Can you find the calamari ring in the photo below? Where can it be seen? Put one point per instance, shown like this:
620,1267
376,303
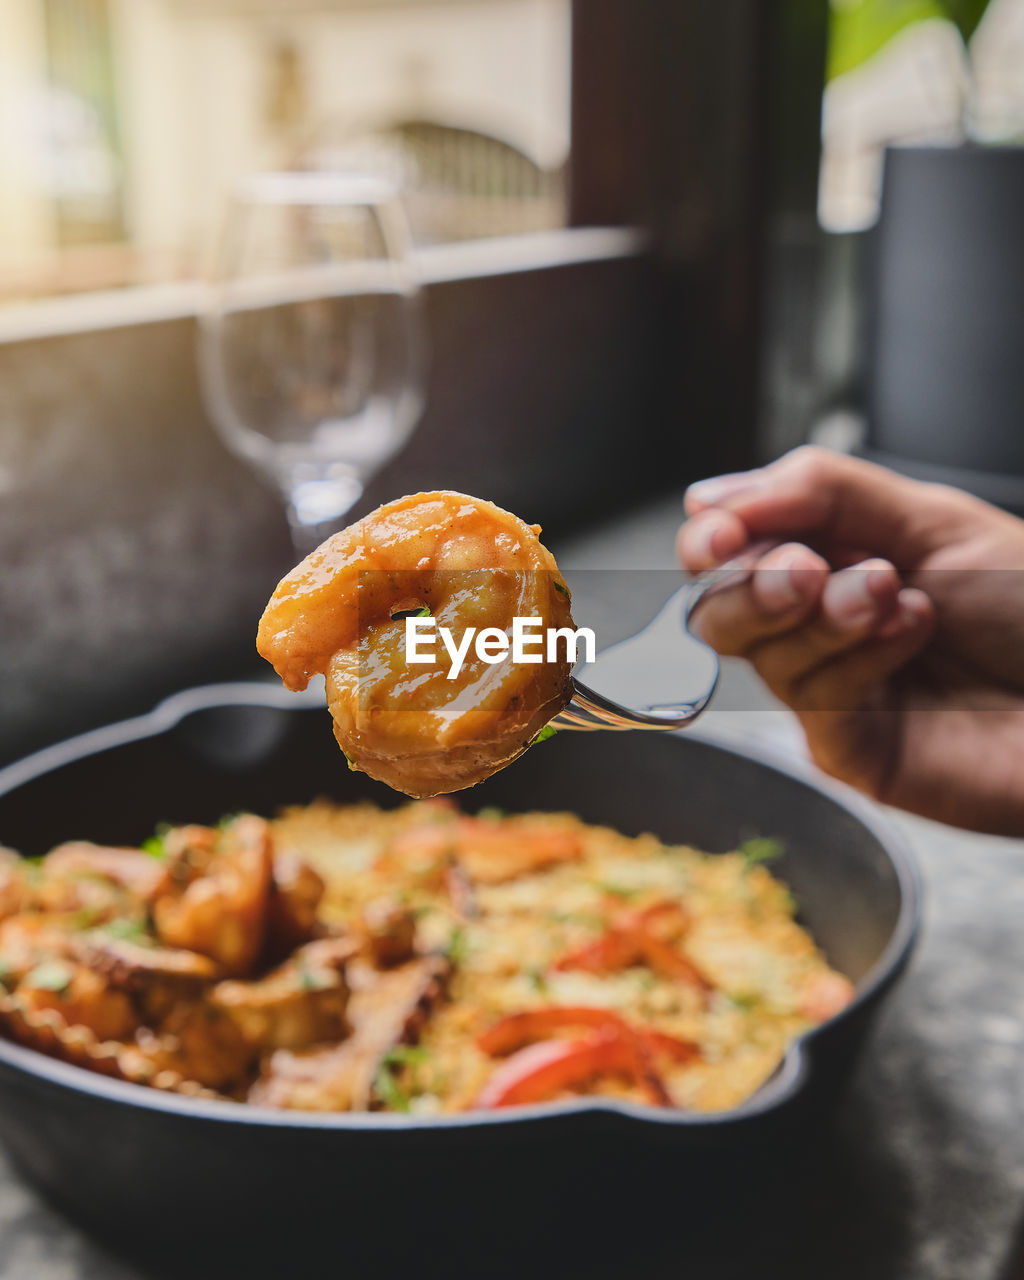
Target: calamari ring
471,564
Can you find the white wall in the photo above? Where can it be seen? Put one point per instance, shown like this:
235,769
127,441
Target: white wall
193,82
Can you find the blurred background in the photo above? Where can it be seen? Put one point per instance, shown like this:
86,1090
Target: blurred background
652,242
647,242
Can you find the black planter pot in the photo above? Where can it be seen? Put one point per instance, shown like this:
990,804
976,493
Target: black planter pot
945,349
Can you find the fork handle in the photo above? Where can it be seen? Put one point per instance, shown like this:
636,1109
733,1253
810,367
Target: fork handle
732,573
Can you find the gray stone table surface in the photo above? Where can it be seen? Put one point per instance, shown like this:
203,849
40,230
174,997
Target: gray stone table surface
931,1136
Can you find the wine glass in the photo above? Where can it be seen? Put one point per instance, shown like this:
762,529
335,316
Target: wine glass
311,346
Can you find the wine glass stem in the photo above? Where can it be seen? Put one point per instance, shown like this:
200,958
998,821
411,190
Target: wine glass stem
307,537
316,509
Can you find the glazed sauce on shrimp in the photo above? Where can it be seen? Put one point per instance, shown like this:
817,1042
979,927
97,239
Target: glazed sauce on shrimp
342,612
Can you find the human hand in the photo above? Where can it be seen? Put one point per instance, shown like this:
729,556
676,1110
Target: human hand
892,624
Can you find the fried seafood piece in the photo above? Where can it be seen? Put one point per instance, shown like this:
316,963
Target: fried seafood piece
386,1009
99,881
471,565
188,851
81,997
134,967
158,978
29,940
296,891
300,1003
215,1036
390,931
222,912
13,888
194,1041
294,895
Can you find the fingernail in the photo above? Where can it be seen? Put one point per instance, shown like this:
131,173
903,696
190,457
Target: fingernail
900,621
783,585
719,488
906,618
714,538
850,599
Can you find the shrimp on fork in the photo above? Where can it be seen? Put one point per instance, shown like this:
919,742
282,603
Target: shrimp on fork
468,564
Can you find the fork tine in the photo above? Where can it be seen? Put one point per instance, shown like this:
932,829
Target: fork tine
589,711
572,718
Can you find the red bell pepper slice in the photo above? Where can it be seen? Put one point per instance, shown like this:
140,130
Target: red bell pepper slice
680,1051
627,1050
670,963
615,949
540,1070
618,948
517,1029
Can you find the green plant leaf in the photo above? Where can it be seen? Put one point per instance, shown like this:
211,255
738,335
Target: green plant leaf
861,28
966,15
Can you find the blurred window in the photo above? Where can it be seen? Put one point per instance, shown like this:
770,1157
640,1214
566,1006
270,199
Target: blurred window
124,123
898,73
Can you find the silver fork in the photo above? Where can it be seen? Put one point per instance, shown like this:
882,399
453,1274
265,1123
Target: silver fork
643,682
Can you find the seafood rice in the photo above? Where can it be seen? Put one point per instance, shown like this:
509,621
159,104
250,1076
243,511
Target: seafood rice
414,960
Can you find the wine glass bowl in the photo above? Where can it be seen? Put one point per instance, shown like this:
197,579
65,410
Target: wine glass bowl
311,345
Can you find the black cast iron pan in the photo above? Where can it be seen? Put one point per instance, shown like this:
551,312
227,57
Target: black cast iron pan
189,1183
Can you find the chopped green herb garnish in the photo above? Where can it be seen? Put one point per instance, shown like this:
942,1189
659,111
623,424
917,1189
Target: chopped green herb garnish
424,612
389,1090
589,919
386,1083
406,1055
759,849
84,918
491,814
456,949
619,891
125,929
51,975
154,846
548,731
559,587
788,900
746,1000
539,981
310,981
